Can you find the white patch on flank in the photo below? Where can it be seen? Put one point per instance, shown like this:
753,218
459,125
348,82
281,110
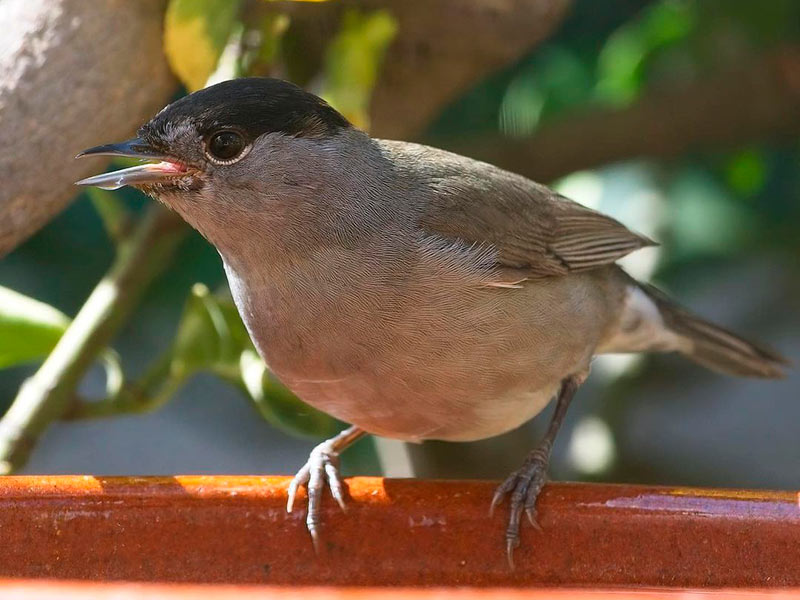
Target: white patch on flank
640,327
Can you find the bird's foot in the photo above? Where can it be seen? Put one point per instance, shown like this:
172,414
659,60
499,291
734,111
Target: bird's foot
524,486
322,466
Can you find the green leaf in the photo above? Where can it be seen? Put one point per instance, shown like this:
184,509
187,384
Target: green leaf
353,60
621,63
554,81
264,44
279,406
29,329
209,337
195,34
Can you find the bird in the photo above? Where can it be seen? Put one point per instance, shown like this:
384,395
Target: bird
410,292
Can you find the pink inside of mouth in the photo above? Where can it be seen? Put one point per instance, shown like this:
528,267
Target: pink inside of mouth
166,166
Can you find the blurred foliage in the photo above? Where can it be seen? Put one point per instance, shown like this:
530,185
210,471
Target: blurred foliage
263,43
610,61
353,60
29,329
624,60
112,211
211,337
722,203
747,172
195,34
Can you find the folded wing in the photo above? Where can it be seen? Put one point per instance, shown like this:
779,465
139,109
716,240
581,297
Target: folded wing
534,230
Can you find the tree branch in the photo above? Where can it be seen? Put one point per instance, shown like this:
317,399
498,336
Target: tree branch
752,102
47,394
73,74
441,49
444,47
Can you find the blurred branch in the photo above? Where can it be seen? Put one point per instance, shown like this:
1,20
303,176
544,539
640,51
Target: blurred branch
45,396
116,218
440,50
147,394
73,74
444,47
750,102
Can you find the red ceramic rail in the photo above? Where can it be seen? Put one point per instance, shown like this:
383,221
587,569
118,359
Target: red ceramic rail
235,530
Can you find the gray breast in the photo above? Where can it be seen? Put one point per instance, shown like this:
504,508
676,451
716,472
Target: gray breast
423,351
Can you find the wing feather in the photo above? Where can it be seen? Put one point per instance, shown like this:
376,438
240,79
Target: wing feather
533,229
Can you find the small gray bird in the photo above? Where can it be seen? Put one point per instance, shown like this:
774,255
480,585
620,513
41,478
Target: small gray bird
415,293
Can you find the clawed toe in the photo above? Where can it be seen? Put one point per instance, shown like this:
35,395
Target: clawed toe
522,487
531,514
322,467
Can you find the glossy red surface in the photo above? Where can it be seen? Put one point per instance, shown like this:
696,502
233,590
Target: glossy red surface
396,532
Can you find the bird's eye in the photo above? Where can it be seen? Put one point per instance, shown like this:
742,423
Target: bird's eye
225,146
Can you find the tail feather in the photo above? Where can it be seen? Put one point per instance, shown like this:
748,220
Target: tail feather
715,347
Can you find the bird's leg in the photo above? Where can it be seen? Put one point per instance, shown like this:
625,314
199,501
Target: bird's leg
322,465
525,483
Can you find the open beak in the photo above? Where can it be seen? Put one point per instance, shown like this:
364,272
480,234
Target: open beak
156,172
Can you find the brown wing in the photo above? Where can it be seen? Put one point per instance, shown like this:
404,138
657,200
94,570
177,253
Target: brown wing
535,230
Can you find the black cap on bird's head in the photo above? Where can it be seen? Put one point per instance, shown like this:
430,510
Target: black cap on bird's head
216,126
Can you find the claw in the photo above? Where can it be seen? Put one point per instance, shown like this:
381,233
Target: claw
531,514
510,545
312,530
524,486
300,479
335,484
496,500
502,490
322,467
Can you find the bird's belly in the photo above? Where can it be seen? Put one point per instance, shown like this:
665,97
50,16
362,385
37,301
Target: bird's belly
444,414
470,371
453,360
